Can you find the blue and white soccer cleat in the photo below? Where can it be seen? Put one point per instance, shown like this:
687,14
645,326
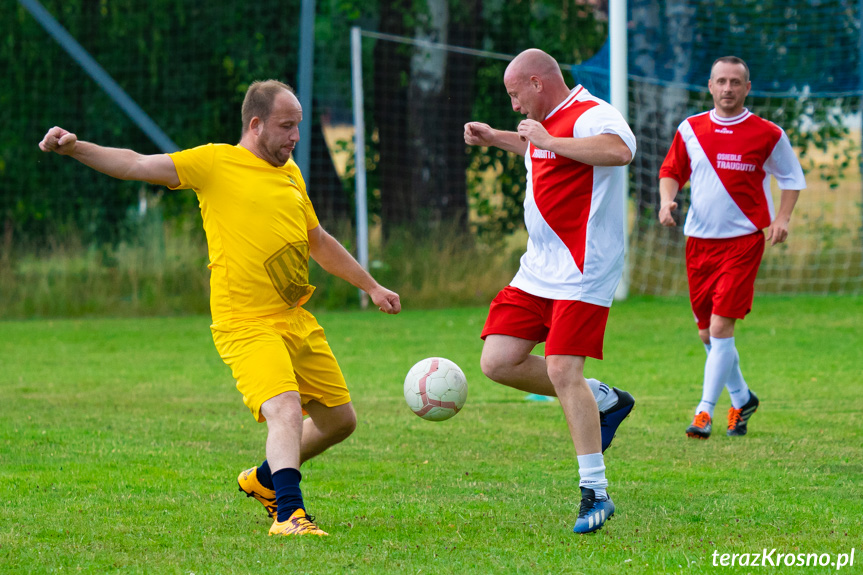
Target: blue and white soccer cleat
593,513
611,419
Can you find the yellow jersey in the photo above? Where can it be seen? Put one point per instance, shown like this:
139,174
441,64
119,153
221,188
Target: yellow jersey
257,218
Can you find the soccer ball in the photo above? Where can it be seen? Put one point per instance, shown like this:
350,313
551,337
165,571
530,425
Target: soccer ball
435,388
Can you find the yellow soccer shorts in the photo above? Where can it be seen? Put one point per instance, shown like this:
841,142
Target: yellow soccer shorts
283,352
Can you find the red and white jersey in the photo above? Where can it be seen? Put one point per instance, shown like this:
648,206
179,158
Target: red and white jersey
729,162
574,211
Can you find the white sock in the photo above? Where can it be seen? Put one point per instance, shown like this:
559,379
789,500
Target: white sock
736,385
717,368
737,388
605,397
591,471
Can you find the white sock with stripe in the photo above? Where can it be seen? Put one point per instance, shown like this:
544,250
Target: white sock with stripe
605,397
591,471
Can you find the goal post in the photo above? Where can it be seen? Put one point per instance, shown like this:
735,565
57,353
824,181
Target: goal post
360,189
620,100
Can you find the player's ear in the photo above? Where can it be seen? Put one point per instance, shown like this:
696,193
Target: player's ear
255,125
536,82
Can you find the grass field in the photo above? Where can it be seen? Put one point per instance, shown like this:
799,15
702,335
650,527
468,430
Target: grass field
121,440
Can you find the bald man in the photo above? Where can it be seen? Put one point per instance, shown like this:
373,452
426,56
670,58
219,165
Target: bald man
261,230
573,144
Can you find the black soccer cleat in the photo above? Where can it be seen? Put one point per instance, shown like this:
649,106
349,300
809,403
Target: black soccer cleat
701,426
737,418
611,419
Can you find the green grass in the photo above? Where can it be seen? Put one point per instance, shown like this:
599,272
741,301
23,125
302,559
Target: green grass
120,442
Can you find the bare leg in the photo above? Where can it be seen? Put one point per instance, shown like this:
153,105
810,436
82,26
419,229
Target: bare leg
721,327
284,430
566,372
325,427
508,360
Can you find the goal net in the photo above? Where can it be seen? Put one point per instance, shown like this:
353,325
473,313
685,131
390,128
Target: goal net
804,58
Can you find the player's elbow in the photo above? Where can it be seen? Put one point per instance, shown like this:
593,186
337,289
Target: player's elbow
622,156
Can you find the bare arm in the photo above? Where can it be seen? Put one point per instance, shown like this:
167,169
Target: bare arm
600,150
116,162
479,134
778,230
668,188
335,259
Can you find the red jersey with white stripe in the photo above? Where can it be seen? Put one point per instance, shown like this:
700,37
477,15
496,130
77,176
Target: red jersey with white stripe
574,211
729,162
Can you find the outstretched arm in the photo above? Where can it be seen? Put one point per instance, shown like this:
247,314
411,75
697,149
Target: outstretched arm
668,188
479,134
334,258
116,162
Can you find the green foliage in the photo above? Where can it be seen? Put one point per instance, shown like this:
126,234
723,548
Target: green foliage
189,63
158,269
571,33
162,269
816,128
122,439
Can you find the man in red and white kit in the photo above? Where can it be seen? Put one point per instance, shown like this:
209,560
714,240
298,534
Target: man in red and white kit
728,155
572,143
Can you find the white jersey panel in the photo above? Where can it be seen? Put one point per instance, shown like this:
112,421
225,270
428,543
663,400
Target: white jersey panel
711,198
548,268
785,167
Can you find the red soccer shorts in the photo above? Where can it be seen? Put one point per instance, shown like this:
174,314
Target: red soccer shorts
722,275
567,327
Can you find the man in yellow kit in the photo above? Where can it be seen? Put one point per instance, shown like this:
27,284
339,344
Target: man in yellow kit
261,230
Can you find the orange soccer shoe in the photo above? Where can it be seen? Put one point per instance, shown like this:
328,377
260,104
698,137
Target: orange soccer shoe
249,484
701,426
738,418
297,524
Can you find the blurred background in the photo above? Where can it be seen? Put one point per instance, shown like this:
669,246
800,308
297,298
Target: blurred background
444,220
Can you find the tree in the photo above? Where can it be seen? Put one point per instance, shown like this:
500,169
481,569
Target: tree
187,64
422,160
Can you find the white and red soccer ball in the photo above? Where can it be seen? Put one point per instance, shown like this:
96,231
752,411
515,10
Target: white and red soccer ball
435,388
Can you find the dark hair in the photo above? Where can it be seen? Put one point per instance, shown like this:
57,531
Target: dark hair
259,100
731,60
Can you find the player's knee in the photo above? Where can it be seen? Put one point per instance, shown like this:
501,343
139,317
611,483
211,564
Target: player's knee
564,374
283,410
559,375
344,426
492,367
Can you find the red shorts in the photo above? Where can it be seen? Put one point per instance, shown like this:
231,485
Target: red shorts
566,327
722,275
